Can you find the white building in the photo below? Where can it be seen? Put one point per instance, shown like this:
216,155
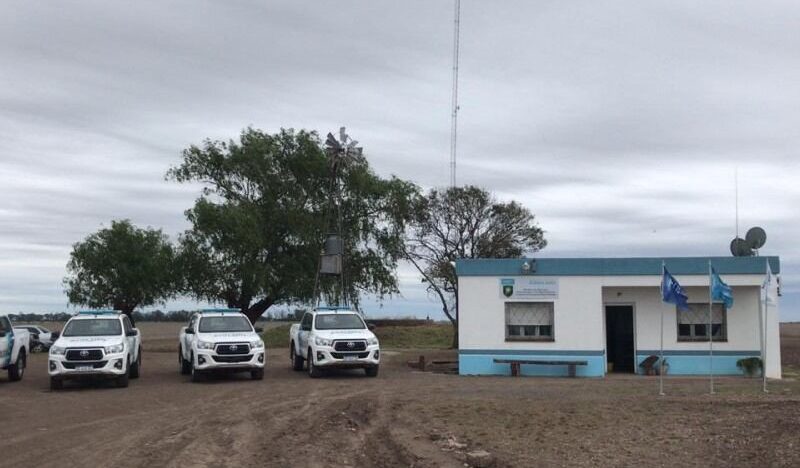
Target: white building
607,312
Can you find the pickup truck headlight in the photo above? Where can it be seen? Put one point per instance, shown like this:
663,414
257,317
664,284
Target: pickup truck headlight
114,349
257,344
205,345
58,350
323,341
373,341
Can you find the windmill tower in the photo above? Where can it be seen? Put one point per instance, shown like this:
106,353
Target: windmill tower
332,258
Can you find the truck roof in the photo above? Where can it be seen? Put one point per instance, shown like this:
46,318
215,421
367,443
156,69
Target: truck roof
334,310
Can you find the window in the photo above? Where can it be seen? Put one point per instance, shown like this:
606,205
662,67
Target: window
126,324
236,323
693,323
339,322
529,321
305,325
93,327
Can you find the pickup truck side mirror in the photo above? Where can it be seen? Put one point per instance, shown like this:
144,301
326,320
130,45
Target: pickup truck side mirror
259,330
371,326
305,328
2,334
55,335
132,333
189,331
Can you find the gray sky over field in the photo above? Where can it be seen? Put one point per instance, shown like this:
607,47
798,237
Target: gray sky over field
620,124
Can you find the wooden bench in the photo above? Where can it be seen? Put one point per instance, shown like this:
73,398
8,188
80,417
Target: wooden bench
516,363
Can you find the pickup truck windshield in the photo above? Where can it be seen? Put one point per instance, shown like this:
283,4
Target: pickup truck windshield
93,327
224,324
339,322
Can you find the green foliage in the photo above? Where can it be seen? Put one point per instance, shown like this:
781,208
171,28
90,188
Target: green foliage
750,366
257,230
465,222
277,337
123,267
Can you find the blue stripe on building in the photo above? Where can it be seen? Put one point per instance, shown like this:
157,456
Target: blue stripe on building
616,266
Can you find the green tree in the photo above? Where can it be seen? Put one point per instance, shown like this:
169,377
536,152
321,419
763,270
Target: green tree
258,227
465,222
123,267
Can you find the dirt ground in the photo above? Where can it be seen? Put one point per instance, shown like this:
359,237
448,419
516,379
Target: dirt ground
402,418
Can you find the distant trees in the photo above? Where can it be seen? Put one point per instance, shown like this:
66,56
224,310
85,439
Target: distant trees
123,267
465,222
257,230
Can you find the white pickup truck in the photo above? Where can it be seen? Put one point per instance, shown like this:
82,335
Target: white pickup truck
96,344
14,349
221,340
333,338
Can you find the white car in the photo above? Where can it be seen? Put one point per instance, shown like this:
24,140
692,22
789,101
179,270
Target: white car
41,338
96,344
221,340
333,338
14,349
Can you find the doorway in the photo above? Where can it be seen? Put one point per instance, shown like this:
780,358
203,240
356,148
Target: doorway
619,338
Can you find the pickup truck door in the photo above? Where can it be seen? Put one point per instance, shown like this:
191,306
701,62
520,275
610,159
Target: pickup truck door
133,341
187,338
6,341
304,332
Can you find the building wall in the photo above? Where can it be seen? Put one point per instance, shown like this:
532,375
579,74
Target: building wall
579,326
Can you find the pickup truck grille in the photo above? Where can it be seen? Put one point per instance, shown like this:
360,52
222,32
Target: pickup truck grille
95,365
228,359
342,355
233,348
84,354
350,345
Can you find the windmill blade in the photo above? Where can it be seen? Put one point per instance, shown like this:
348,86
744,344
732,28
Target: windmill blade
332,143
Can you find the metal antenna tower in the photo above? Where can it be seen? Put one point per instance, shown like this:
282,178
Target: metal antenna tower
454,119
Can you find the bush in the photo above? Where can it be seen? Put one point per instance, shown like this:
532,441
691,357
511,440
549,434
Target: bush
750,366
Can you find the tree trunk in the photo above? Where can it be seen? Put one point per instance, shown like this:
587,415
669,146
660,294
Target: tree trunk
127,310
256,310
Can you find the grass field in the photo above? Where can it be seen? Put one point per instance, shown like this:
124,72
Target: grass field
433,336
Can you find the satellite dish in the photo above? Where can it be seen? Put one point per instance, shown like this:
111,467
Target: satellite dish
756,238
740,248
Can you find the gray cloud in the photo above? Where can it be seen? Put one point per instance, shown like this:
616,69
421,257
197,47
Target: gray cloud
619,124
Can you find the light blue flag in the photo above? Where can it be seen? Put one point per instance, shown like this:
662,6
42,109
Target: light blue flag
721,291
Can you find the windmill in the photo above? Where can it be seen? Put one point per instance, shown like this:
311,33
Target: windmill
331,260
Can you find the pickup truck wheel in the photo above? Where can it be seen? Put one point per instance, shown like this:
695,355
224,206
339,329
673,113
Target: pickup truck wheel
197,376
257,374
37,348
186,366
56,383
313,371
297,361
137,366
122,380
371,371
17,370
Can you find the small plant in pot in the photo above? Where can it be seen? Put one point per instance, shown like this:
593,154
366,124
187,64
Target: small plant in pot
662,367
750,366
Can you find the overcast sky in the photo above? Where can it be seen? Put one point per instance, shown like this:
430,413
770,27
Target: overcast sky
620,124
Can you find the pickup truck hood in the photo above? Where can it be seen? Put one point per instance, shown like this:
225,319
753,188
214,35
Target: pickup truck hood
88,341
345,334
226,337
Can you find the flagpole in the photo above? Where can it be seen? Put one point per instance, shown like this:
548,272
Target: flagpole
710,330
661,362
766,327
761,334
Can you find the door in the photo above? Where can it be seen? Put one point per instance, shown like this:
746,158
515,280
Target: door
127,328
305,331
619,338
6,338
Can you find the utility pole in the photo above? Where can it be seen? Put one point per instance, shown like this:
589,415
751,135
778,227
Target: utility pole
454,115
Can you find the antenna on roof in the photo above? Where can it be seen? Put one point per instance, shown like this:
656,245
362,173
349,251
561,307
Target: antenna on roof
454,116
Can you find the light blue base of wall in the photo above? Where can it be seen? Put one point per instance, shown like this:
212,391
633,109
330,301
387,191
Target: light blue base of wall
698,362
481,362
